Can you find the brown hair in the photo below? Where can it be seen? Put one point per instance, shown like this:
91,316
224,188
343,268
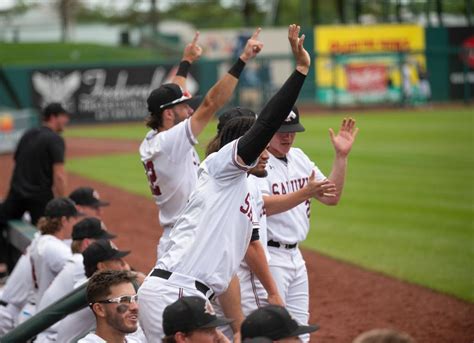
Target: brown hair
76,246
49,226
154,120
99,284
213,145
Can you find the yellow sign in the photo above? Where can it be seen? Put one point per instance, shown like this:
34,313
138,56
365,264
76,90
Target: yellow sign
364,39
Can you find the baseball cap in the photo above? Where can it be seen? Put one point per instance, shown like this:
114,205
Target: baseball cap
166,96
90,227
273,322
61,207
54,108
233,113
292,122
190,313
99,251
87,196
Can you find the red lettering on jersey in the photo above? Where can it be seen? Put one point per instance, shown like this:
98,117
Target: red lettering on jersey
283,189
248,208
151,175
301,182
275,189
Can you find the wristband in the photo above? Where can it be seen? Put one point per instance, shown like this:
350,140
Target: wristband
237,68
183,68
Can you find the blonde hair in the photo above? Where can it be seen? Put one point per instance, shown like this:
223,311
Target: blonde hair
49,226
76,246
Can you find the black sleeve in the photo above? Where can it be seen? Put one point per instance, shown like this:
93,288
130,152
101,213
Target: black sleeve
255,235
56,149
252,144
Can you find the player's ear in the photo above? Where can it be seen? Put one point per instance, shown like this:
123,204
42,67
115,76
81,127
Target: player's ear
98,310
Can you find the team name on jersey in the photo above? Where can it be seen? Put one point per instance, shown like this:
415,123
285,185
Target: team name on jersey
246,208
289,186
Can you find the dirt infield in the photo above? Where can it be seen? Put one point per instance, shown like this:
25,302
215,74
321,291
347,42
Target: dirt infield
345,300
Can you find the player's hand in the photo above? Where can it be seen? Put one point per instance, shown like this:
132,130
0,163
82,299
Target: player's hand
192,51
303,61
324,188
275,299
253,46
343,140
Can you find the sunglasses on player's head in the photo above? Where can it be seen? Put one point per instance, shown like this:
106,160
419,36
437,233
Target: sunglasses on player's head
124,299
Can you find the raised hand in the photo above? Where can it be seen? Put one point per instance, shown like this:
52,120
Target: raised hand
343,140
275,299
253,46
192,51
324,188
303,61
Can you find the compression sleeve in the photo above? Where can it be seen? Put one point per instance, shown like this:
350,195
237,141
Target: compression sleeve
269,120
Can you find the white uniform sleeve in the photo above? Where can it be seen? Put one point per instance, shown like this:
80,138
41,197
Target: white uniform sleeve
174,142
57,258
224,165
318,173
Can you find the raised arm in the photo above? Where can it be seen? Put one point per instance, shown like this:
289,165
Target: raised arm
342,142
191,53
251,144
222,91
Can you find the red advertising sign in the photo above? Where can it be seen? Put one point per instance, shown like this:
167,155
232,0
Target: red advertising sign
366,77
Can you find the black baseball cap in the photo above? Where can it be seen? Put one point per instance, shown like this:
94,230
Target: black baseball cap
99,251
61,207
87,196
233,113
273,322
166,96
54,108
292,122
190,313
90,227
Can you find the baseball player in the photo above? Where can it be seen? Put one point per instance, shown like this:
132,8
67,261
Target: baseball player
211,237
100,255
39,173
292,181
252,292
113,300
84,233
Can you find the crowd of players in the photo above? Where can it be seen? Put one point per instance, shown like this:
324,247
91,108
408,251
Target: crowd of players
231,224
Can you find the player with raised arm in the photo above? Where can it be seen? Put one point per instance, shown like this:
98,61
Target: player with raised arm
292,181
167,152
212,235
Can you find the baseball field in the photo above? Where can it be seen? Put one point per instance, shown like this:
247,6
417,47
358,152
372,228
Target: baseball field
407,207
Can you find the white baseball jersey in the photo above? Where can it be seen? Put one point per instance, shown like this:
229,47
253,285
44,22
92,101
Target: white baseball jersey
210,238
171,164
93,338
48,257
285,177
64,282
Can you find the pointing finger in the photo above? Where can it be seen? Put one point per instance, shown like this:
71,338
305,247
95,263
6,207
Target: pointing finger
256,33
196,37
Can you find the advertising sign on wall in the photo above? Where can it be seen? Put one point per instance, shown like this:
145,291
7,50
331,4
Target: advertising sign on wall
105,94
461,64
369,64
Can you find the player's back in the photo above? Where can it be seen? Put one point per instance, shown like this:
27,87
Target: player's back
211,236
171,165
34,157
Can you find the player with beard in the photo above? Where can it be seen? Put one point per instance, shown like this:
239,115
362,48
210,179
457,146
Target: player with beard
113,299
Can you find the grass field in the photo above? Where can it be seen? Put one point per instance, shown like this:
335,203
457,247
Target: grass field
407,208
50,53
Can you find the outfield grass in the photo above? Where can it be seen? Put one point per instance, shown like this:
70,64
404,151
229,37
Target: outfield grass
407,208
50,53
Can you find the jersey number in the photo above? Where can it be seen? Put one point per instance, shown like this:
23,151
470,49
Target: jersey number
151,175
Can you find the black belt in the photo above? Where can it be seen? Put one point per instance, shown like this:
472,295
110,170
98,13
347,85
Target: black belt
272,243
164,274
